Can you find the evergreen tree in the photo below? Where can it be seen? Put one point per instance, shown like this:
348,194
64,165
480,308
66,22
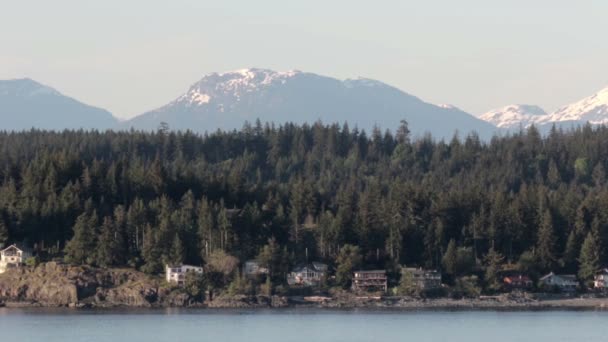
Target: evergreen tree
81,248
589,258
449,258
493,262
176,255
349,259
3,233
107,246
151,252
546,242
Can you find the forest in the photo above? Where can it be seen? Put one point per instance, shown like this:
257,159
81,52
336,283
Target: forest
290,194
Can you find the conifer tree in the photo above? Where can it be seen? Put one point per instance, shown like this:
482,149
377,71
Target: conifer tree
546,242
108,245
81,248
449,258
176,255
493,263
150,252
589,258
3,233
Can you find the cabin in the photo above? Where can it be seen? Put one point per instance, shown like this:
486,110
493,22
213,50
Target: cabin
600,280
307,275
517,282
177,274
561,282
13,257
370,280
252,269
425,280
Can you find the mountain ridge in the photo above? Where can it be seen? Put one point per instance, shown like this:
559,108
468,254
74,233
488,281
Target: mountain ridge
26,104
226,100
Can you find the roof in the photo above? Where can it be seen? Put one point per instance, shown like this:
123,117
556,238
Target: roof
372,271
10,247
571,277
315,266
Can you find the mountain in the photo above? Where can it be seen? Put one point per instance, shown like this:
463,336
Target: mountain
227,100
26,104
513,116
592,109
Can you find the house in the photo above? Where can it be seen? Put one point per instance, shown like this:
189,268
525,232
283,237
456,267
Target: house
307,275
561,282
12,257
517,282
252,268
600,281
177,274
370,280
425,280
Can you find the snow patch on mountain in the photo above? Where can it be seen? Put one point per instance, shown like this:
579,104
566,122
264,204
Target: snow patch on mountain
513,116
592,109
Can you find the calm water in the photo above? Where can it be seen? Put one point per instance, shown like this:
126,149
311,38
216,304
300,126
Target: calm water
306,325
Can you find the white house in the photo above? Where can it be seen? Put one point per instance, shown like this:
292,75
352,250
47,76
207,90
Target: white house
12,257
562,282
177,274
252,268
307,275
600,280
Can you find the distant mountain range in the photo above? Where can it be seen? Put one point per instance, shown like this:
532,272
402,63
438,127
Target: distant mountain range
592,109
226,100
26,104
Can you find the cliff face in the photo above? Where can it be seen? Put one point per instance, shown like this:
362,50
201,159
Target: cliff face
54,284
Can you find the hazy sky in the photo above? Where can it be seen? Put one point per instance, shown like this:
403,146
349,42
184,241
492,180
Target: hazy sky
130,56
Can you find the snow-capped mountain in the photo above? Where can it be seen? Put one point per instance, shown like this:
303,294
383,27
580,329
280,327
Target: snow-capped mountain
227,100
26,104
513,116
592,109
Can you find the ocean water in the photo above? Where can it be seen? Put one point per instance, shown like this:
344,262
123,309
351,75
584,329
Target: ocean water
301,325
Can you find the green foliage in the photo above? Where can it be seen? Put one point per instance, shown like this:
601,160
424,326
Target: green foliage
32,261
589,258
241,286
467,286
407,286
121,198
3,233
349,259
176,254
195,285
529,264
493,262
546,243
80,249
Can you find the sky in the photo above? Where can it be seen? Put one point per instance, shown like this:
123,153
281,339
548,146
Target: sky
131,56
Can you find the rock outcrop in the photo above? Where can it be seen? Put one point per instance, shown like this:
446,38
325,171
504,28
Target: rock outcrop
57,284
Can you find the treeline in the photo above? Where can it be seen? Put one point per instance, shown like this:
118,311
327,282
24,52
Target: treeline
147,199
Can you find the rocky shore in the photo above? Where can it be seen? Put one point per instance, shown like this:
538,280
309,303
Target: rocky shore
58,285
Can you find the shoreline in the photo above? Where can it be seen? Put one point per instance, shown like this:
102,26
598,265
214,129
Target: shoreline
388,304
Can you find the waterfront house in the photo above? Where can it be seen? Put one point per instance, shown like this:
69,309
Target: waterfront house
307,275
370,280
12,257
177,274
561,282
425,280
600,281
252,268
517,282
